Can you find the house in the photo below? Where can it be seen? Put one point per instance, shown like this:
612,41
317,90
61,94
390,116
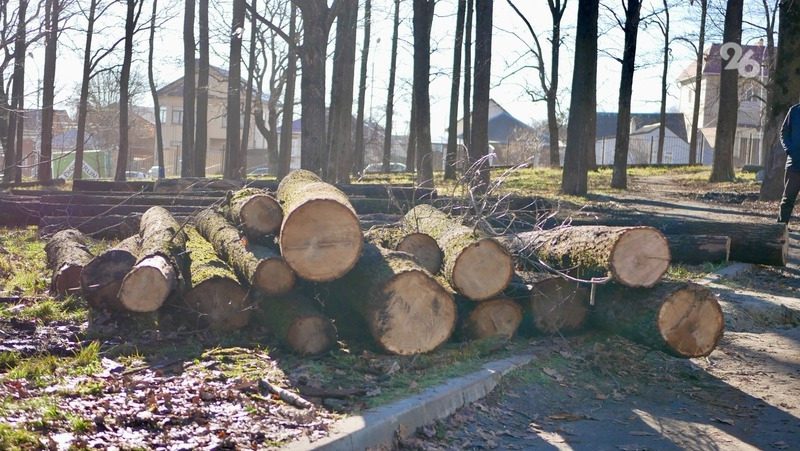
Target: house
32,137
753,75
170,98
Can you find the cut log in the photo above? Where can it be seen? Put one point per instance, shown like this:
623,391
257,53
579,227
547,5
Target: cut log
421,245
497,317
475,265
682,319
111,185
67,254
406,310
102,276
161,265
698,249
255,211
216,297
256,265
296,321
553,304
320,235
632,256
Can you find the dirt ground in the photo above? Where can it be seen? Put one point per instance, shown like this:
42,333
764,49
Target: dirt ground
597,392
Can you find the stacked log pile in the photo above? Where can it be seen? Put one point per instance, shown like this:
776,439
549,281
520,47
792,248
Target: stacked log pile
295,260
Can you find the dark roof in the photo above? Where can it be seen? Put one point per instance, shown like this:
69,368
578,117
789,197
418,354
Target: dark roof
503,127
713,63
607,123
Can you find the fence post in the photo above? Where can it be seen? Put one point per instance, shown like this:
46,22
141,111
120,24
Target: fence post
603,154
650,161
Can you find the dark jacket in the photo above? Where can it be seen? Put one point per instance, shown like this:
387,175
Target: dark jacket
790,138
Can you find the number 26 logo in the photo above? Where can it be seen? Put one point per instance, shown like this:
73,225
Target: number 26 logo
745,64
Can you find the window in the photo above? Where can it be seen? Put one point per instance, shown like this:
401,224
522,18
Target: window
177,116
162,114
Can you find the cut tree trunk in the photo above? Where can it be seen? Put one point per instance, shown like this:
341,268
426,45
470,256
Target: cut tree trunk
406,310
161,264
553,304
257,265
698,249
682,319
632,256
298,322
473,264
255,211
320,235
216,297
102,277
421,245
496,317
67,254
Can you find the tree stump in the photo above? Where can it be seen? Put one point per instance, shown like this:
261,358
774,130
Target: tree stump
102,277
67,254
296,321
255,211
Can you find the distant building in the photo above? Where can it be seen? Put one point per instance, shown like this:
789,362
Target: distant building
32,138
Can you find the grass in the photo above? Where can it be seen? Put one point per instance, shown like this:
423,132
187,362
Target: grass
43,370
23,267
14,438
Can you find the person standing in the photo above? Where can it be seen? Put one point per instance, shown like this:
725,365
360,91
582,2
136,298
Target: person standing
790,140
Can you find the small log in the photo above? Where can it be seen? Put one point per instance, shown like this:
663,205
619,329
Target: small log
553,304
320,235
496,317
67,254
406,310
285,395
698,249
161,265
257,265
682,319
421,245
216,297
256,212
102,276
632,256
475,265
298,322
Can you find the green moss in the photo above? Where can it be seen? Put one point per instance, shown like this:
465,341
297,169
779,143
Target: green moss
14,438
9,360
205,264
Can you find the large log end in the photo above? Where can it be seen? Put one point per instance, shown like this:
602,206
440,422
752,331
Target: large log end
148,285
640,257
558,305
219,302
498,317
101,278
311,335
67,279
482,270
424,249
261,215
691,321
274,277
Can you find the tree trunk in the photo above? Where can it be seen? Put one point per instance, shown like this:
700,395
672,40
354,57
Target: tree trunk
297,322
722,170
259,266
411,148
215,296
452,129
233,157
255,211
699,249
358,162
557,12
476,266
16,123
248,100
340,132
80,134
698,79
124,88
496,317
479,140
189,91
102,277
423,20
161,264
201,129
285,155
320,236
422,246
682,319
619,179
466,130
406,310
67,254
553,304
632,256
153,93
387,137
786,91
581,129
53,10
662,126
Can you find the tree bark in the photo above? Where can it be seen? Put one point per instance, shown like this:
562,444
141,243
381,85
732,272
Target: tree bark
475,265
681,319
581,129
619,178
248,100
552,304
297,322
698,79
358,164
124,79
67,254
423,20
411,147
699,249
285,153
260,266
387,137
16,121
320,235
189,92
420,245
452,132
406,310
255,211
496,317
201,128
102,277
233,157
479,140
53,10
153,93
466,130
722,169
557,9
215,296
340,131
632,256
662,125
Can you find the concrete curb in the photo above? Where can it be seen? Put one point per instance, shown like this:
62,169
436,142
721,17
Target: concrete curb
378,426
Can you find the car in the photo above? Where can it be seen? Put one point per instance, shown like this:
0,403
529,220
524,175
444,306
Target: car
135,175
373,168
259,171
153,172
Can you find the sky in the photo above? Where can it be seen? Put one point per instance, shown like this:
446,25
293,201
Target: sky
509,42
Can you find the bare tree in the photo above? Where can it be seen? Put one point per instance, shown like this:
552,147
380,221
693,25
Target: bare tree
362,91
248,94
387,138
189,91
131,19
52,17
16,118
722,169
466,129
340,131
452,132
581,129
154,93
201,123
479,140
285,155
233,158
664,26
423,20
